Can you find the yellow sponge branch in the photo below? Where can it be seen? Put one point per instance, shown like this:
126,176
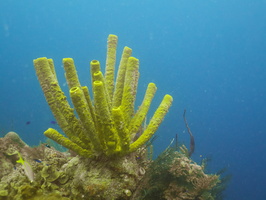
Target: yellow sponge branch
56,99
138,118
71,73
110,64
85,117
156,120
104,123
51,64
119,87
130,87
95,67
86,93
98,76
60,139
122,131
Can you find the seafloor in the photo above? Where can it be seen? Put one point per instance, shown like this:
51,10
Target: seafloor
47,173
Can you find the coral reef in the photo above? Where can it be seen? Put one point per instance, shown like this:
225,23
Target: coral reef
174,176
109,154
64,176
108,124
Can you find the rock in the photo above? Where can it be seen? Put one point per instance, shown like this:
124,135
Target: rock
15,138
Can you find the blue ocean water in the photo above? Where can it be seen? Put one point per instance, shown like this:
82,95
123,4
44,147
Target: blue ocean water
209,55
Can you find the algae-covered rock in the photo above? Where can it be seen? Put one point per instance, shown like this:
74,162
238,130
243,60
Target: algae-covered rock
49,173
3,193
173,175
67,176
15,138
50,196
26,191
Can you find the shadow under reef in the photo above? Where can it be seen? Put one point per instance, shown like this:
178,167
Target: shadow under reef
44,173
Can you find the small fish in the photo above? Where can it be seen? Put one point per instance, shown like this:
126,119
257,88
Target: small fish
53,122
27,168
37,160
138,157
28,122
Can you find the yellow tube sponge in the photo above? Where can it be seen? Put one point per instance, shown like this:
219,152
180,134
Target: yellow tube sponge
95,68
122,131
71,73
110,64
119,87
83,111
51,89
51,64
56,99
154,123
98,77
86,93
130,88
140,115
60,139
104,122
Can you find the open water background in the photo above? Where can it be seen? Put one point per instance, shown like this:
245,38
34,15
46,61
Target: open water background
210,55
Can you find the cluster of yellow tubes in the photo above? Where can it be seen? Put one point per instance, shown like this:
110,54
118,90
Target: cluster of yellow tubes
108,124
